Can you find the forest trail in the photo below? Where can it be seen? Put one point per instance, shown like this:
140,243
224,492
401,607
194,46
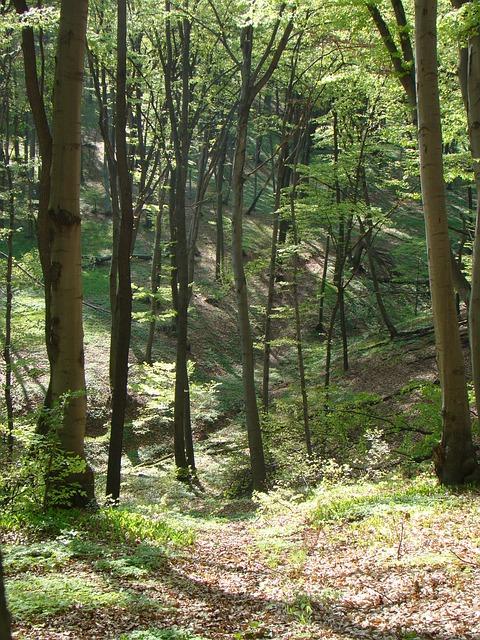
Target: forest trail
322,584
399,562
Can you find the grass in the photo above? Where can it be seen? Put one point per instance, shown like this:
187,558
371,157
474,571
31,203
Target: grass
350,503
108,525
35,597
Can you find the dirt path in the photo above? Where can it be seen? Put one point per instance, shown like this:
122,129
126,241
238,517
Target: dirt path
397,577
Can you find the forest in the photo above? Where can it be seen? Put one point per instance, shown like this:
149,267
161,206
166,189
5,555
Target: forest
240,319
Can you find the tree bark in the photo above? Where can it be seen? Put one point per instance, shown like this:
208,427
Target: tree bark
341,250
123,302
34,89
473,112
7,348
296,306
65,269
455,461
257,458
156,272
5,628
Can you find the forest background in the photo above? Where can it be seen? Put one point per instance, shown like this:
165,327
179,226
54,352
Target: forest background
215,277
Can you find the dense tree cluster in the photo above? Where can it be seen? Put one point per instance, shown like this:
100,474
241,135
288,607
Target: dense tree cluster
327,114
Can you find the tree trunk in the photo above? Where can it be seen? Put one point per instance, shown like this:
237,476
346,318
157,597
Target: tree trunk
123,301
323,284
34,89
155,273
296,306
280,184
65,272
371,262
5,631
257,458
474,134
101,91
7,349
455,461
202,184
220,241
341,250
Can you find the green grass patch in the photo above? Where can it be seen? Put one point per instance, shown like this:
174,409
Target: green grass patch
34,557
350,503
144,559
108,525
33,597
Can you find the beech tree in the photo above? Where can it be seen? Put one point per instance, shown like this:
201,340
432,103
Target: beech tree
66,296
253,80
455,460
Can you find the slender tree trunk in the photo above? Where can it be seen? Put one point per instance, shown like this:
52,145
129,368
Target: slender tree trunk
189,447
65,272
474,133
341,250
220,179
271,278
455,461
101,91
7,349
123,302
202,184
34,89
155,273
328,355
180,127
251,86
371,262
296,306
181,261
5,630
323,285
257,458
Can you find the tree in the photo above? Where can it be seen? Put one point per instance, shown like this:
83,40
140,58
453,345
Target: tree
123,302
455,461
5,633
469,78
253,80
34,89
64,219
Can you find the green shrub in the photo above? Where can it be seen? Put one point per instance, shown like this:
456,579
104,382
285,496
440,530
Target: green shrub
42,473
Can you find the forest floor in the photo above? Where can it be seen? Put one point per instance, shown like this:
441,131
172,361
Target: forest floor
390,560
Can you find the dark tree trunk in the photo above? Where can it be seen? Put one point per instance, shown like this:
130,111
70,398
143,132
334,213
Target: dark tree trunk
7,349
34,89
5,630
123,302
296,306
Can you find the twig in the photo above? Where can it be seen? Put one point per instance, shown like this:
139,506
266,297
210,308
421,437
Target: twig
472,563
